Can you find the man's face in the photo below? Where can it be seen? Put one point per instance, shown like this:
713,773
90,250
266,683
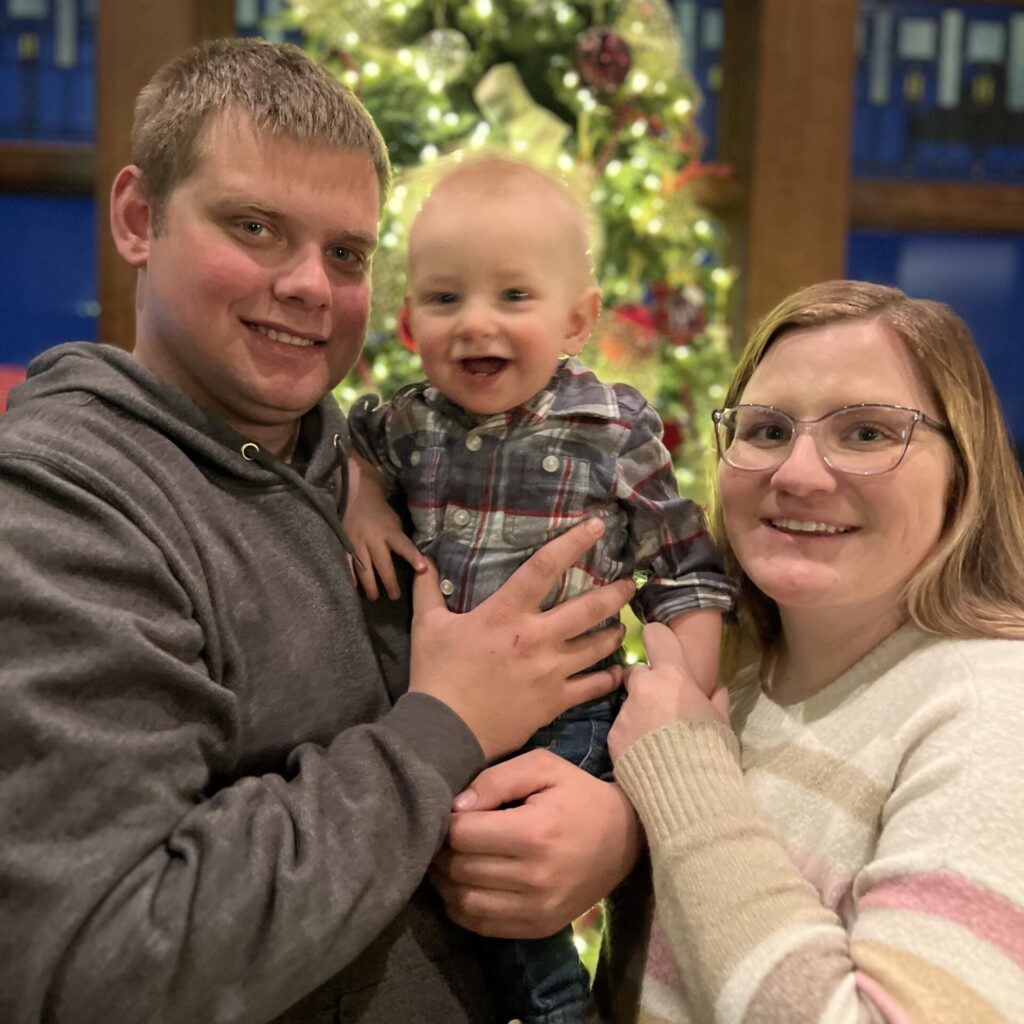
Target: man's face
256,287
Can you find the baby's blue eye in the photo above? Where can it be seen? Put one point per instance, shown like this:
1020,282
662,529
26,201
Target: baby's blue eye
516,295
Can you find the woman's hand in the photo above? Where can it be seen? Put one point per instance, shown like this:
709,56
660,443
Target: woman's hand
524,872
661,692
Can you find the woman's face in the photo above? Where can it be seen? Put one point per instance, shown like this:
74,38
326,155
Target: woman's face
887,524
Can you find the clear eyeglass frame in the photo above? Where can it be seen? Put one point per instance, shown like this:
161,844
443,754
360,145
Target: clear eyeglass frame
773,458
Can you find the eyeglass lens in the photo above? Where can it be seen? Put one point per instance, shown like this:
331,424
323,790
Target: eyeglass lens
864,439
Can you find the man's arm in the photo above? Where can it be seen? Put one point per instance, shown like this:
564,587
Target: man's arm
138,883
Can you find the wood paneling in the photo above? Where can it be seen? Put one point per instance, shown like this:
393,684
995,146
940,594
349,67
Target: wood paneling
785,114
134,38
937,206
65,168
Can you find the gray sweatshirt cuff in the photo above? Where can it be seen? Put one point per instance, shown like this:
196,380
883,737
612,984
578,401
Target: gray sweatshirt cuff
438,736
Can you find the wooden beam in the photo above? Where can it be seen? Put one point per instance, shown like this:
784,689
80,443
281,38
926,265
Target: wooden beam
134,38
785,116
66,168
937,206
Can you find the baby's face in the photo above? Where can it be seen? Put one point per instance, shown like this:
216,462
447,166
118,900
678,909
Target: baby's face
497,294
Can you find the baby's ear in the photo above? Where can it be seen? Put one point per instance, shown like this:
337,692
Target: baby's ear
405,327
582,317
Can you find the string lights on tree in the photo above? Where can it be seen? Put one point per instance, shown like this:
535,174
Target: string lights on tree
594,91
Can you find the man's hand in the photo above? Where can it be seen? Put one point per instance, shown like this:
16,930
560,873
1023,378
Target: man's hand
524,872
504,668
375,531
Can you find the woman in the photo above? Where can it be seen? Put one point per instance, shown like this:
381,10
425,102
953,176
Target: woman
858,854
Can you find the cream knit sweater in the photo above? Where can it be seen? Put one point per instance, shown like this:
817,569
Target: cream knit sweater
856,857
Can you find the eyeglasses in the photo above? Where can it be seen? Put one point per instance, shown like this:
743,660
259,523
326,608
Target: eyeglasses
859,439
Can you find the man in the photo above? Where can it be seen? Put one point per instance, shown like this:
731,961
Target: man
218,802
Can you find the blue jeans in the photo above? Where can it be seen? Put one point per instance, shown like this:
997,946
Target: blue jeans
541,981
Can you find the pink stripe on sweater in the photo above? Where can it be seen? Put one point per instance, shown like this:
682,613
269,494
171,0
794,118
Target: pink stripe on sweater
991,917
866,984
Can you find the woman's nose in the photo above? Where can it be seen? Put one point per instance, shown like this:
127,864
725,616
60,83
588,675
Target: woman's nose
804,470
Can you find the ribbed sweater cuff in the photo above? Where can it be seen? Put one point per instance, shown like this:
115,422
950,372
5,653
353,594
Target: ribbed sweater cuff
681,774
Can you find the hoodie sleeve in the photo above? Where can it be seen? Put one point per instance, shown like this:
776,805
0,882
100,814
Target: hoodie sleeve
142,876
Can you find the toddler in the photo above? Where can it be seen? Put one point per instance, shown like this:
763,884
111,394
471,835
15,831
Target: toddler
509,442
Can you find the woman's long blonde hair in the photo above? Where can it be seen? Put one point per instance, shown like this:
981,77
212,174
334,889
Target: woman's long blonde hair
972,584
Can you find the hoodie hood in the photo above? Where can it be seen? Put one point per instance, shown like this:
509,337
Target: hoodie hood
82,371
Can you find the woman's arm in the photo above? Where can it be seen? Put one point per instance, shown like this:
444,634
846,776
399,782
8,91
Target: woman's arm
929,927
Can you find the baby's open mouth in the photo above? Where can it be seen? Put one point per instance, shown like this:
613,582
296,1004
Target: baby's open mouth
484,366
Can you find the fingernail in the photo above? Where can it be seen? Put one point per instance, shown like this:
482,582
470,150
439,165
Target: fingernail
595,526
465,801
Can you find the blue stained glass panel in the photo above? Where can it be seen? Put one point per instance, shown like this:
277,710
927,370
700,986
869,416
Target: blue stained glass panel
46,90
47,294
940,91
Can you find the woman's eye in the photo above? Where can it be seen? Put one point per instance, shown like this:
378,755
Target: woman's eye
765,433
872,434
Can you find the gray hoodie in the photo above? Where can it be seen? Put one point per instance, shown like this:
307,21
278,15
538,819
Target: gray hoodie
215,805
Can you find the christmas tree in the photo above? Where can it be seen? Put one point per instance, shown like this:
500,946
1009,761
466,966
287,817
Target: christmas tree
594,91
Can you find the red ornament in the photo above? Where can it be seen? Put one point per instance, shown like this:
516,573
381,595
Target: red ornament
672,438
603,60
678,312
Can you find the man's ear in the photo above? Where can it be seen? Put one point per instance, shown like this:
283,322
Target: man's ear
131,216
582,318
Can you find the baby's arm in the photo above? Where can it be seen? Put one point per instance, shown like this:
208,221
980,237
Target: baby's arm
699,633
375,530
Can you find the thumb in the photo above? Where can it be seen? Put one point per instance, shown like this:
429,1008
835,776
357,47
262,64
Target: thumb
506,782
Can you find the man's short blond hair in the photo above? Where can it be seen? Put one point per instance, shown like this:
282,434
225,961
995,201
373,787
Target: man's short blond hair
277,88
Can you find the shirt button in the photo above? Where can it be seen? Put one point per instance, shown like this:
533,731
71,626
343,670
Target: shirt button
550,463
461,517
473,442
447,588
414,459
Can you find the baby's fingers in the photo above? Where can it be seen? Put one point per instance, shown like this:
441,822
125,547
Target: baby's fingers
402,546
365,574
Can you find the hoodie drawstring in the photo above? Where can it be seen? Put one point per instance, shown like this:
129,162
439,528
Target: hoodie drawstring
252,452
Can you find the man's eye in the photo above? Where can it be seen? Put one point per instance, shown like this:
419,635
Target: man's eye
253,227
343,254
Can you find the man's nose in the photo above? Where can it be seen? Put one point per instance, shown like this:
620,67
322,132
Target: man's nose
304,280
804,470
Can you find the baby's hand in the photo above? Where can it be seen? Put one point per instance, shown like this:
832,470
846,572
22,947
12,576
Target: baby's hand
375,531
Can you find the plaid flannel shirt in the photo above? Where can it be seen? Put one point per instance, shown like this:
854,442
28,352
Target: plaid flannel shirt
485,493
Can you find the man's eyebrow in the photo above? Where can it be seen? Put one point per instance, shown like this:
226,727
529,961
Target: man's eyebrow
358,237
247,205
